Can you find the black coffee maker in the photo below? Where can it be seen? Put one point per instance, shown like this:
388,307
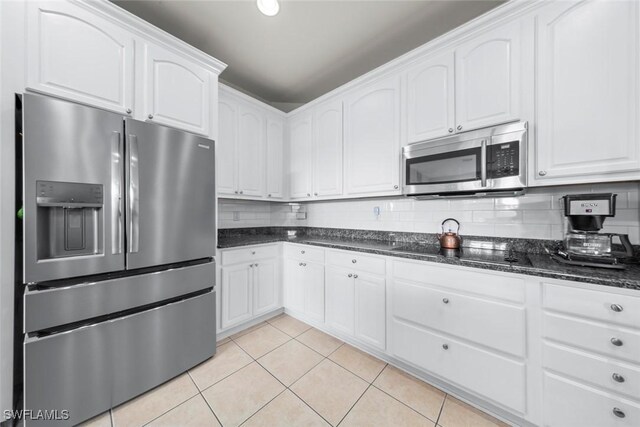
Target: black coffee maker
584,244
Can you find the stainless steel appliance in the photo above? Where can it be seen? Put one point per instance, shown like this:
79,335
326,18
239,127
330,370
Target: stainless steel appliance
483,162
584,244
118,267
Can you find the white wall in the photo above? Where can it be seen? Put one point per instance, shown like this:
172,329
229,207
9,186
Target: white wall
536,215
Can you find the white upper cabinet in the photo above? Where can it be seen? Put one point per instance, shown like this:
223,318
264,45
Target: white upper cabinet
227,144
430,97
327,149
251,158
587,94
488,78
275,156
300,151
372,138
177,92
74,54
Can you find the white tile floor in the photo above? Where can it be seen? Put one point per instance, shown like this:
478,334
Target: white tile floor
285,373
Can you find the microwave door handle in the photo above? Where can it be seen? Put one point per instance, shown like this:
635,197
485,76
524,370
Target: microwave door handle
133,234
483,163
116,192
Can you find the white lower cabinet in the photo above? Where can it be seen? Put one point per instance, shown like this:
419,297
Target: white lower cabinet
340,287
304,288
370,319
250,284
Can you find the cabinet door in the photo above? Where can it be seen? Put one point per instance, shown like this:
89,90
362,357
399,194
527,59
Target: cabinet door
370,311
340,299
226,146
251,158
313,280
488,78
327,152
372,138
236,294
275,157
265,286
300,148
294,285
74,54
430,96
587,92
177,91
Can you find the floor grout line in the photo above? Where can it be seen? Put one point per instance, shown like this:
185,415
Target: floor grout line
263,406
442,407
171,409
211,408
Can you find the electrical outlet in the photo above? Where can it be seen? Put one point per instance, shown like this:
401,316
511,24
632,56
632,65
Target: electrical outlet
376,211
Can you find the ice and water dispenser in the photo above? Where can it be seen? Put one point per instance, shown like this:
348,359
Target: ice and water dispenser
69,219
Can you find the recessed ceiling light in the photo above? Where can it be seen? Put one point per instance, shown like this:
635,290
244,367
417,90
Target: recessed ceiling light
269,7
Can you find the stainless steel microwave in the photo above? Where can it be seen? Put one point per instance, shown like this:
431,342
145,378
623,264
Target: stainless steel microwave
484,162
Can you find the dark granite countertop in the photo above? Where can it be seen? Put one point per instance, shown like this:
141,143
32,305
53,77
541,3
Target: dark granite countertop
529,257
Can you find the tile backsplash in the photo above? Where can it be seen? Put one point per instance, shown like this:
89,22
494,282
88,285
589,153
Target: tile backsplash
536,215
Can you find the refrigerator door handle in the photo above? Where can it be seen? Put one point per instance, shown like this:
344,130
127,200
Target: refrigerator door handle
133,235
116,192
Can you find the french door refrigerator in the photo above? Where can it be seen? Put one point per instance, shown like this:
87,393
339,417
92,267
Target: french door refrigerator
118,257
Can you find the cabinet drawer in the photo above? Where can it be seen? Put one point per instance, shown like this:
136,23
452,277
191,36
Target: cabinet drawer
488,323
304,253
570,404
465,280
492,376
606,306
593,336
248,254
597,370
356,261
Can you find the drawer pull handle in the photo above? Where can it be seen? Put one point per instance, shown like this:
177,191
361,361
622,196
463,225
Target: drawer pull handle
445,300
618,413
350,275
355,276
445,346
353,261
617,377
616,341
616,307
302,252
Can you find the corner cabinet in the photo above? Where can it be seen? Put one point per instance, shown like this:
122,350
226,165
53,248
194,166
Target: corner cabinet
588,92
300,151
275,157
75,54
372,138
177,92
251,156
227,146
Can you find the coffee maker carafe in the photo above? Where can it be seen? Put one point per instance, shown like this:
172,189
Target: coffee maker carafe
584,244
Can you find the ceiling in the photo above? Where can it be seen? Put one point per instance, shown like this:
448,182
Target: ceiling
310,47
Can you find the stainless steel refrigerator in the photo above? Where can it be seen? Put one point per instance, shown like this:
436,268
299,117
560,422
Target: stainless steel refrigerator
118,257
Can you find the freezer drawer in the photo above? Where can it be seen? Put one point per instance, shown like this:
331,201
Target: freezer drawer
60,306
91,369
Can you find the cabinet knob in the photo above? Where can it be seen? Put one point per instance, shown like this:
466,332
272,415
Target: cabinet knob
353,261
616,341
304,264
268,195
395,187
445,346
542,173
450,130
445,300
150,116
315,194
459,127
236,191
616,307
355,276
241,192
253,252
301,252
251,265
255,265
350,275
300,264
128,110
617,377
619,413
308,194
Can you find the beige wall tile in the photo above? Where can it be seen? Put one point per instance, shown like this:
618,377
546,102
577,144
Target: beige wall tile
242,394
319,341
417,394
228,359
376,408
261,341
193,413
154,403
458,414
286,410
290,361
330,390
360,363
289,325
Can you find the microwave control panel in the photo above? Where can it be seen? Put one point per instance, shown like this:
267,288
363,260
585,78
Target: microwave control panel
503,159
